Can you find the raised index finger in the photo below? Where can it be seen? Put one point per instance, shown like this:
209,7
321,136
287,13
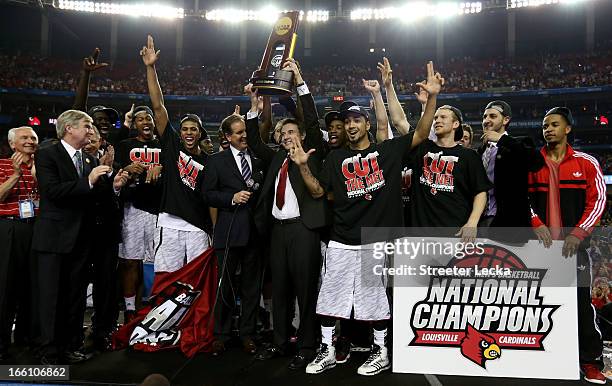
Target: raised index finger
95,54
430,70
150,43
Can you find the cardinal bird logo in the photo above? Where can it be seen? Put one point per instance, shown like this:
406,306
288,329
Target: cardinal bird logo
479,347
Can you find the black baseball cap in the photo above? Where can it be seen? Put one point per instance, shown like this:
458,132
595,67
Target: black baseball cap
346,104
500,106
332,116
194,118
358,110
456,111
113,115
563,111
139,109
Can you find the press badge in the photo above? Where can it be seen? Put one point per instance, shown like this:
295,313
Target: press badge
26,209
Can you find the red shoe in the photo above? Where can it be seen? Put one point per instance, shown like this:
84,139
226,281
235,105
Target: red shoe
593,374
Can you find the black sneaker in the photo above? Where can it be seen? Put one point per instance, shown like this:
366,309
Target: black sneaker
343,350
74,357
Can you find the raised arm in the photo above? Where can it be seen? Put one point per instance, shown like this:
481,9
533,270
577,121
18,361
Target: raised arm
382,121
89,65
314,137
433,86
421,97
398,117
265,106
149,58
254,140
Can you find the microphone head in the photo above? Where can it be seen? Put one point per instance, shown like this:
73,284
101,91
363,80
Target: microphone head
252,185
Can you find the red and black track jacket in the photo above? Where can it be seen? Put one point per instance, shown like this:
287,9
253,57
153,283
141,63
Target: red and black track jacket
582,193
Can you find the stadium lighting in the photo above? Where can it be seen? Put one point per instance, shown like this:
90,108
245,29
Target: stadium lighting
536,3
268,14
317,16
142,9
418,10
470,7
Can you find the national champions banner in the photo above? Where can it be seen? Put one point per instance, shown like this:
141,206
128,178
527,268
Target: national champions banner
495,310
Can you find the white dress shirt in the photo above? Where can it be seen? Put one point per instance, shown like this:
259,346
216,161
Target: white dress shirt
291,208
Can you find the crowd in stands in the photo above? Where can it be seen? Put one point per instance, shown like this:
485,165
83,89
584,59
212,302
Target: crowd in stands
462,75
600,252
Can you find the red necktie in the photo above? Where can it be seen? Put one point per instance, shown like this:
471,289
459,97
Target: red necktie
282,183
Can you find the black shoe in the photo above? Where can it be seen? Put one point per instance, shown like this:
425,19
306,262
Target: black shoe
299,362
249,346
102,343
269,353
74,357
218,348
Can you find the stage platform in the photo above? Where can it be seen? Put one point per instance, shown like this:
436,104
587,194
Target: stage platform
128,367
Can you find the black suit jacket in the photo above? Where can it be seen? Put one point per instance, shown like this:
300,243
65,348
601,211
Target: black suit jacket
222,180
516,157
313,212
67,204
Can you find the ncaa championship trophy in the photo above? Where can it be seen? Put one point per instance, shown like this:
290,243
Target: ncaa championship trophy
270,79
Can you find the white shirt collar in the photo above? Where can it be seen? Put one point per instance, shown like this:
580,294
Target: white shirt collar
236,151
71,150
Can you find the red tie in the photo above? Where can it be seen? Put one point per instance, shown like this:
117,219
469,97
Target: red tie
282,183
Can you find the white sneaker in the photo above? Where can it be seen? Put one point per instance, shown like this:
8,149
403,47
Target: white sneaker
325,360
377,361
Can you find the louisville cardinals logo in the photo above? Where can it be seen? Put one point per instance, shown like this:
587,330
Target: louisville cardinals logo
479,347
493,304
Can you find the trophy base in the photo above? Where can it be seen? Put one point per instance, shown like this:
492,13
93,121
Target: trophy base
280,84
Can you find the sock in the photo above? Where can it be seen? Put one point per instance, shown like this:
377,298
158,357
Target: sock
130,303
268,307
327,334
267,303
379,337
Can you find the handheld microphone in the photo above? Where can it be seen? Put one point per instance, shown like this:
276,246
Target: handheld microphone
252,186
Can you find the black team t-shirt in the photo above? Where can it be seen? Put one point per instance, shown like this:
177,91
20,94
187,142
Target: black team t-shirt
367,187
183,175
142,196
444,183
